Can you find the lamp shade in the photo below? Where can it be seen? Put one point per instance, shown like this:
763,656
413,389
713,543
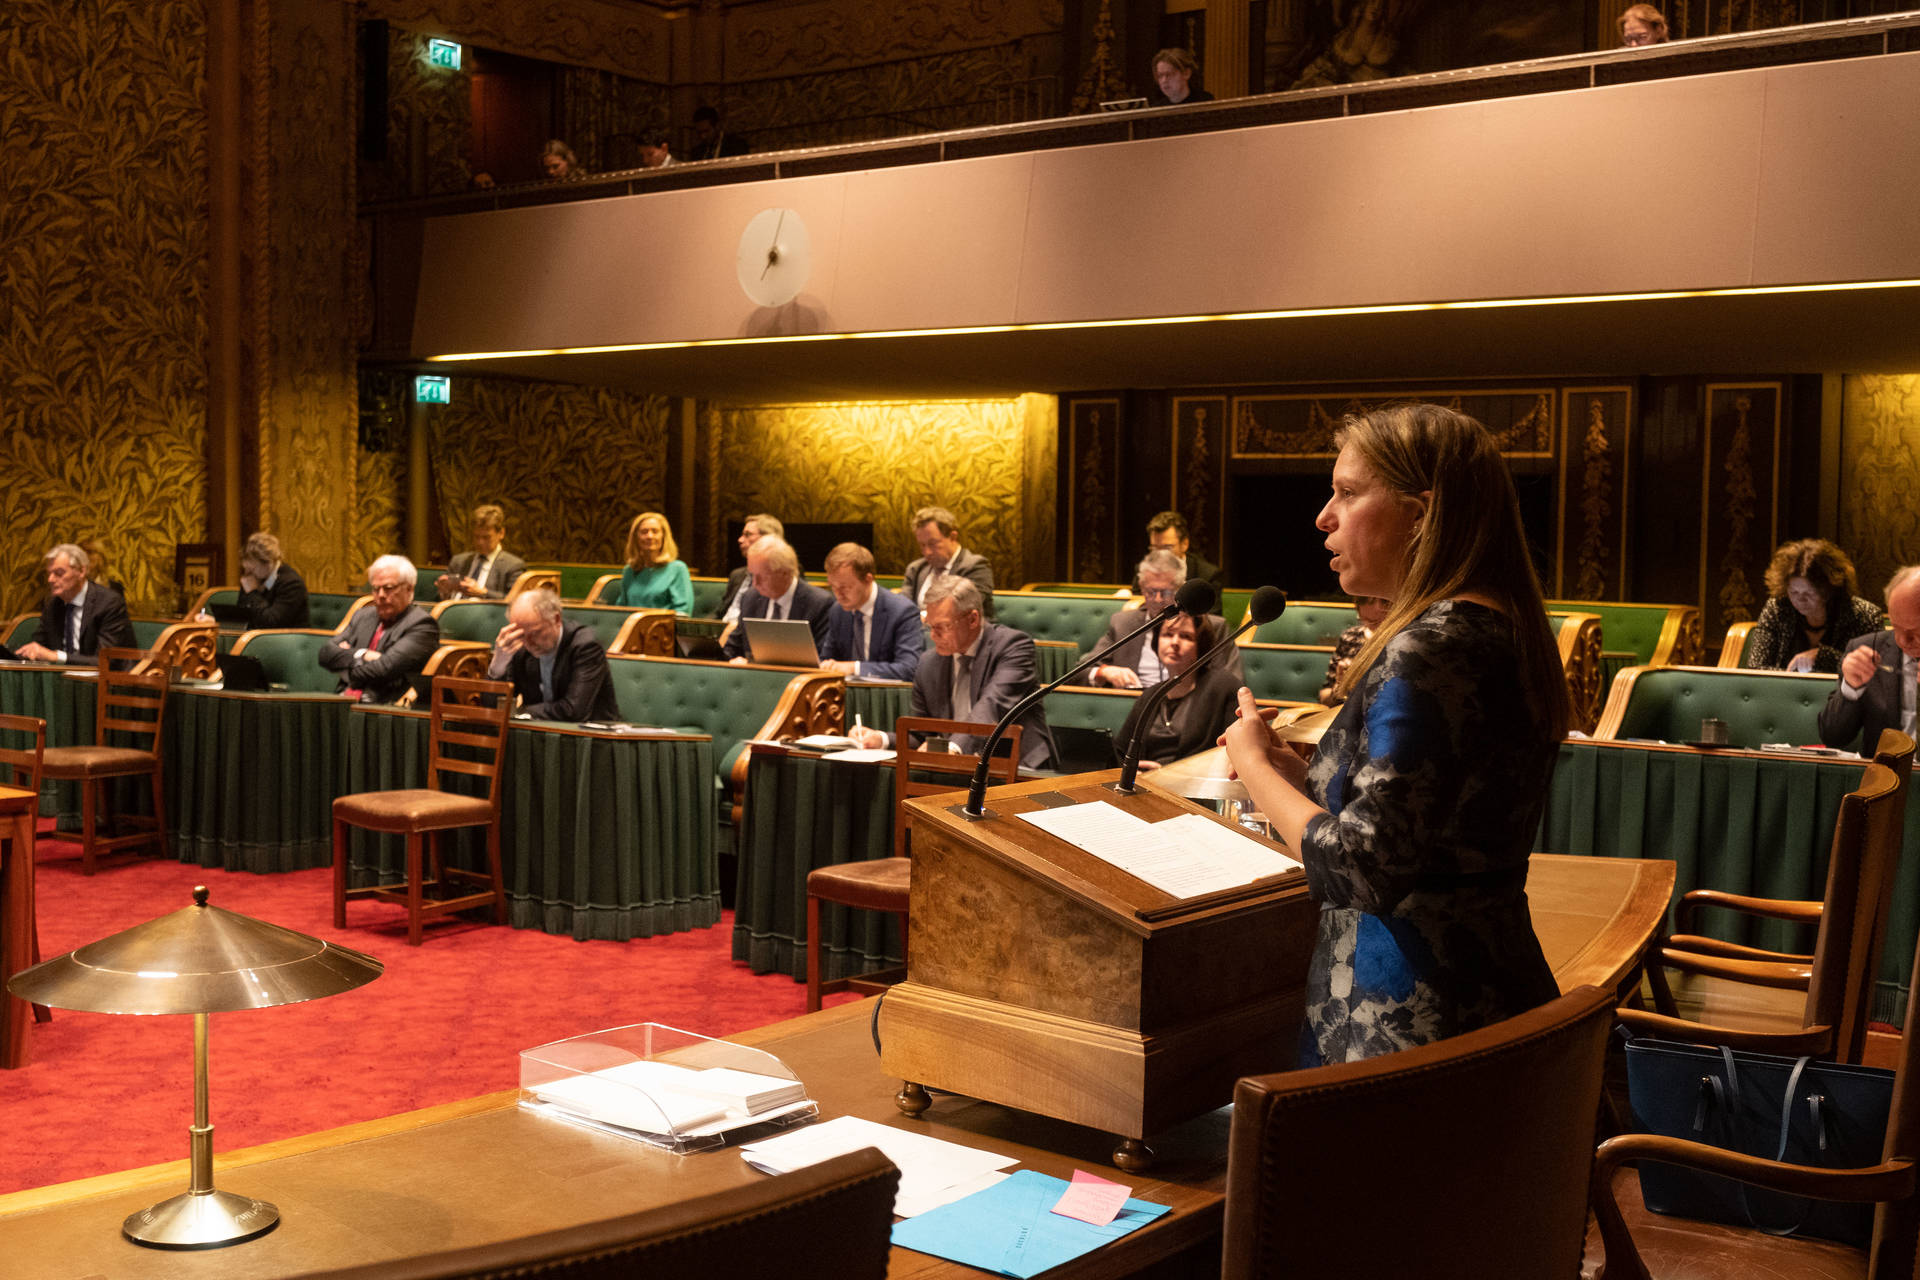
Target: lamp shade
199,959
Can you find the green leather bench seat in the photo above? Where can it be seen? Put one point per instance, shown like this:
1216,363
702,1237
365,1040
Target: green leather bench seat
22,629
147,630
575,579
1285,672
728,703
1080,620
476,620
707,593
1090,708
1306,622
1668,703
291,658
328,609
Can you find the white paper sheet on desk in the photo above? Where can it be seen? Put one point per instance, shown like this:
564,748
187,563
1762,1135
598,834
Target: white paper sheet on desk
932,1172
1253,856
865,755
1171,856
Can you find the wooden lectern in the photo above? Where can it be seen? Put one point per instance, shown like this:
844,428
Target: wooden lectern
1042,978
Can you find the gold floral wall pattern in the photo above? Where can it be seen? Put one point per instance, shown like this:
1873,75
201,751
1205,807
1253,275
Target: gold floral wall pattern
786,40
571,465
991,462
440,100
629,38
943,91
103,277
1880,474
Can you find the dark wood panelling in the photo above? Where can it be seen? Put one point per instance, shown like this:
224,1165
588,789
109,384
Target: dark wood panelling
1595,492
1739,496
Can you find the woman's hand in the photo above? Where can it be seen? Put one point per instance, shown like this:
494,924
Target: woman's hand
1250,745
1804,660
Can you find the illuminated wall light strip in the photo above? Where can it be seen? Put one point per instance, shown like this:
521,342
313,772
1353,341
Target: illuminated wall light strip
1300,313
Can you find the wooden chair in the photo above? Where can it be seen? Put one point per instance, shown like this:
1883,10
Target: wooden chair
1631,1237
1733,650
1468,1157
828,1221
461,719
1777,1002
128,704
533,580
20,767
883,884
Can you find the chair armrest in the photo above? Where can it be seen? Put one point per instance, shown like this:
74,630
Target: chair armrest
1757,973
1809,1040
1790,909
1891,1180
1733,950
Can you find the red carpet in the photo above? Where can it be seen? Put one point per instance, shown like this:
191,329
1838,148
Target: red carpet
105,1093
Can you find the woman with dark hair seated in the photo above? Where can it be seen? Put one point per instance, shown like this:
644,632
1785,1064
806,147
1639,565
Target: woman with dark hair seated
1416,818
1195,712
1813,610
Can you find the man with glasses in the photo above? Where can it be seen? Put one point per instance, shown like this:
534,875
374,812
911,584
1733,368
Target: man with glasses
378,651
80,617
1136,664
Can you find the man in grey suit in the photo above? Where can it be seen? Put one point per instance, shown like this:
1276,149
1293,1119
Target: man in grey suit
942,556
378,651
975,671
80,617
488,571
1878,674
1136,664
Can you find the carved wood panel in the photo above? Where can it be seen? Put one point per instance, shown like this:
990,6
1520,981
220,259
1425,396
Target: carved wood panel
1093,491
1198,475
1596,455
1879,509
1739,483
1302,425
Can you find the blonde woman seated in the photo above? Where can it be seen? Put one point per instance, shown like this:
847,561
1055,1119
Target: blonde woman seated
1194,712
1814,610
655,577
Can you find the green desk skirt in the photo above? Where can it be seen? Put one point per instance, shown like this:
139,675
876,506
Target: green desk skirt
1743,822
878,705
45,693
603,836
251,777
803,812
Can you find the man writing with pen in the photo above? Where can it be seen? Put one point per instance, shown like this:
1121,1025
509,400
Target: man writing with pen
1878,674
558,668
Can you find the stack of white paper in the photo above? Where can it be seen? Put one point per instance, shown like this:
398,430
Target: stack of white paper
1184,856
662,1098
932,1172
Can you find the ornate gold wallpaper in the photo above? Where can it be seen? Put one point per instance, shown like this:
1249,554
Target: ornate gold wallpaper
442,101
571,465
379,502
600,113
766,40
991,462
632,39
103,255
944,91
1880,475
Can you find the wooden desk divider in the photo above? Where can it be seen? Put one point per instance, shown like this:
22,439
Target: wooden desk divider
1043,978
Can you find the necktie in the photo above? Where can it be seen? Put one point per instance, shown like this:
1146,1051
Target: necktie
773,611
963,687
379,633
73,629
866,637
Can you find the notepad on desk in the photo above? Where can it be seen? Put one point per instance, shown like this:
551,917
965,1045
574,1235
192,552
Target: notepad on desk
1184,856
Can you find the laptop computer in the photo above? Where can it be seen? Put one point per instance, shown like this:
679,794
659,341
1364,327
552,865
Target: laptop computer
231,615
786,643
242,674
705,648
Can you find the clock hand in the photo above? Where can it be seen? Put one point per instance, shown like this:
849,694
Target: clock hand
773,250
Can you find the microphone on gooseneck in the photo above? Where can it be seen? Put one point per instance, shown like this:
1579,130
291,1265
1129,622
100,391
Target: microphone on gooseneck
1196,597
1267,604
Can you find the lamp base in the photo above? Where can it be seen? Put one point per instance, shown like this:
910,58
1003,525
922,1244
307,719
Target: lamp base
201,1220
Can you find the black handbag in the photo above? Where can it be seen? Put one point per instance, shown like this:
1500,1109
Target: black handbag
1794,1110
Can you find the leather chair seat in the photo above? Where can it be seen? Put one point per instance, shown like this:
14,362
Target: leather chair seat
1687,1249
880,884
418,810
95,762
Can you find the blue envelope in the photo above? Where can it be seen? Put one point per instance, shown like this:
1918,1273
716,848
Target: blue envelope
1010,1227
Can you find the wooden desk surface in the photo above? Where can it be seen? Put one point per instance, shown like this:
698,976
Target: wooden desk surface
482,1169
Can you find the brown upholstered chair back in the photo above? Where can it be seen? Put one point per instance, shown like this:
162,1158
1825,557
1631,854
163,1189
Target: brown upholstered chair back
462,718
1464,1158
908,761
831,1221
1866,836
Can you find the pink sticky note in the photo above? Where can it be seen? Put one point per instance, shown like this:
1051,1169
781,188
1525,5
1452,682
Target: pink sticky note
1091,1198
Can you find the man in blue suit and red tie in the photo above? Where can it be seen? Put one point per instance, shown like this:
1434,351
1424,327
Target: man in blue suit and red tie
873,634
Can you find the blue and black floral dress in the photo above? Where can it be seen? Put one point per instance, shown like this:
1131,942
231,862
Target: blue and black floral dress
1433,776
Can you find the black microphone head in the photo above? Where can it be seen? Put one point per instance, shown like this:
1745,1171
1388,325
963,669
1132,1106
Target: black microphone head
1267,604
1197,597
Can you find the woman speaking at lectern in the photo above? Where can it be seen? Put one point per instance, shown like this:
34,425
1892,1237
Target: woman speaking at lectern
1416,817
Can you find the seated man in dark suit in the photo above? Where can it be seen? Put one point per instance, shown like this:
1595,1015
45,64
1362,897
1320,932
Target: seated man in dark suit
975,671
1168,532
757,526
1877,674
874,634
379,650
488,571
80,617
271,590
558,668
777,591
942,556
1136,664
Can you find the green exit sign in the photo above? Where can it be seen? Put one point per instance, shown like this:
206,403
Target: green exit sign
444,53
428,389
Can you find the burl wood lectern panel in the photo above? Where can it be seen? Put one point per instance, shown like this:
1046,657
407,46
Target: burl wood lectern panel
1042,978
